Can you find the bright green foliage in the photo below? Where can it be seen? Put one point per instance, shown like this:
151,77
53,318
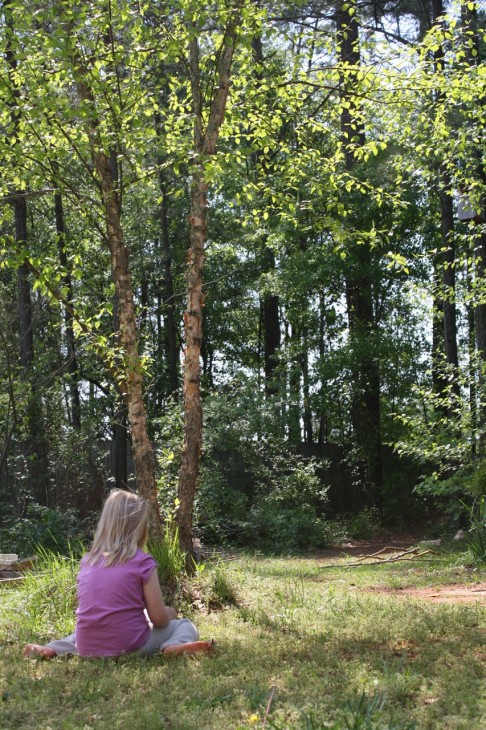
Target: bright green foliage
279,186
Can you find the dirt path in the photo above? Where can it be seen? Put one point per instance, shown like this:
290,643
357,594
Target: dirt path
389,546
439,594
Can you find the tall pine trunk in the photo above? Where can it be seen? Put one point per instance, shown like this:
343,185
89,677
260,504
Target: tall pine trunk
365,405
72,361
448,251
35,472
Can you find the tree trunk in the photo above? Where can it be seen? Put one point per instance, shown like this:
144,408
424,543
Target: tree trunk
449,287
189,470
270,303
170,327
33,446
475,55
448,249
365,407
293,396
205,141
307,411
171,349
72,362
271,332
131,380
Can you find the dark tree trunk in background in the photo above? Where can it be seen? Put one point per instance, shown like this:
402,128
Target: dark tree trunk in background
33,446
34,469
307,410
365,407
171,349
269,302
439,380
475,55
293,396
72,362
449,277
271,329
447,248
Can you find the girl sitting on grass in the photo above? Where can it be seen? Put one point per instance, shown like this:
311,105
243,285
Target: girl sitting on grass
120,604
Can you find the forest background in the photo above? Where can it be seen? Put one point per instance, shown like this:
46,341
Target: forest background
242,263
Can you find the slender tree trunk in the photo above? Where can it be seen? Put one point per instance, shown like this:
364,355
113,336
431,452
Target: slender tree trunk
270,303
307,411
271,330
322,436
33,446
449,277
365,408
121,442
439,379
205,141
475,55
169,310
72,361
170,326
293,397
131,382
448,249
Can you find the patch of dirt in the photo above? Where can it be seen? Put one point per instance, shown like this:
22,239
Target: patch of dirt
443,594
387,547
383,545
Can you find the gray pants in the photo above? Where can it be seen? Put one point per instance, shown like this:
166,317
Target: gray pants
177,631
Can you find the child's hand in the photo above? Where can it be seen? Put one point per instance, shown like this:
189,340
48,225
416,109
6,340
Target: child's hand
172,612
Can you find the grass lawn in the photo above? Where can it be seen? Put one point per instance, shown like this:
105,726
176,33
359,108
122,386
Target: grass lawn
301,647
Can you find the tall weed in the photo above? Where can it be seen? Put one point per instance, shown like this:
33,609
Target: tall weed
477,532
171,559
46,602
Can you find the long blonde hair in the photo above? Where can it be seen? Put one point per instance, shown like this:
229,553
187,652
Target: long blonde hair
122,528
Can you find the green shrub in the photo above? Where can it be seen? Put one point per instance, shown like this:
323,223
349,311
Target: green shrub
41,527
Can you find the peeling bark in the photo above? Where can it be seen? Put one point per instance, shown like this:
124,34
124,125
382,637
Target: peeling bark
205,141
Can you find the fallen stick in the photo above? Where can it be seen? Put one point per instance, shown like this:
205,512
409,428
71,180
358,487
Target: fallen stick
402,551
397,558
269,704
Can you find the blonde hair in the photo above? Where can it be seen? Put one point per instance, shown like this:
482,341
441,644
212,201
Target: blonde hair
122,528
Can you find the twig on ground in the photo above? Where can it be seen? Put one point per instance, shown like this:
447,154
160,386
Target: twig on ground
401,551
403,556
269,704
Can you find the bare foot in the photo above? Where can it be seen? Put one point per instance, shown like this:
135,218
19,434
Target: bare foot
191,648
33,650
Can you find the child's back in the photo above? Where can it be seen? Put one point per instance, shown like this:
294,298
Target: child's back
110,618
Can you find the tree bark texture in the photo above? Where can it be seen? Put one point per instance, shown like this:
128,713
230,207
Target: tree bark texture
72,362
270,302
365,406
271,332
170,327
131,382
447,246
449,284
205,141
33,444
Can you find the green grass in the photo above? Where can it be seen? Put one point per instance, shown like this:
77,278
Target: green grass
298,648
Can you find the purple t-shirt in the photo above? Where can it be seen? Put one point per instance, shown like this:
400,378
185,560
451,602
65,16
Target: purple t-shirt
110,615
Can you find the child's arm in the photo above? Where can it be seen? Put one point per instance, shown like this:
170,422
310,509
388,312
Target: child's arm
158,612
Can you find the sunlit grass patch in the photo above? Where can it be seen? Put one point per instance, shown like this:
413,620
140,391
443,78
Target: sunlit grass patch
297,648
